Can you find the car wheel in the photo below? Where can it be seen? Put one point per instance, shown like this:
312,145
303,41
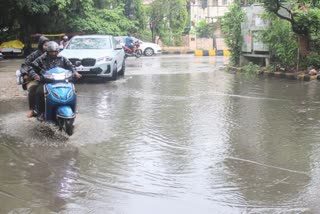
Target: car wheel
114,72
123,68
148,52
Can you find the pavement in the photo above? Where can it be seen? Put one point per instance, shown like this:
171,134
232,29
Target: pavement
8,87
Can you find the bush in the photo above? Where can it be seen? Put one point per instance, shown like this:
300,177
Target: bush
313,59
251,68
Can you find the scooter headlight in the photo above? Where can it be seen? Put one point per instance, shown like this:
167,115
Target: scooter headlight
70,93
56,95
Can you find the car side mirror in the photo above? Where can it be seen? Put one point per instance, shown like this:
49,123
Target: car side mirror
118,47
78,63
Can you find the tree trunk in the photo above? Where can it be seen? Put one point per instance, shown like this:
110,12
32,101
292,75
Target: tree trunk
303,44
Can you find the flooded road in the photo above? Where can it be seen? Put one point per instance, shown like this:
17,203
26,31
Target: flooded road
176,135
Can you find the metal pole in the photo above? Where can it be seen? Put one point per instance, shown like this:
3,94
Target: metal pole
298,59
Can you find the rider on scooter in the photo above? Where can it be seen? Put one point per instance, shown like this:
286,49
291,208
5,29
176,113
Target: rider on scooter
30,85
45,62
129,42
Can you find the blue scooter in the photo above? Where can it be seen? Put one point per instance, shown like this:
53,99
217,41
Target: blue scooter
60,98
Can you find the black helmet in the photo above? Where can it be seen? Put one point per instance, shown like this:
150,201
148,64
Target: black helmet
52,46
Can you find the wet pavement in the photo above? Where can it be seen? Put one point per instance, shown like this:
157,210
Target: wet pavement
176,135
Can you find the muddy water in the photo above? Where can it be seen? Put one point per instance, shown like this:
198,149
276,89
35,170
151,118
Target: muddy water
176,135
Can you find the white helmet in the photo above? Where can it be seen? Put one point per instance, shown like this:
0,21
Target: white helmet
52,46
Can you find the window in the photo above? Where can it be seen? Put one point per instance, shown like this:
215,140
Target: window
214,2
204,3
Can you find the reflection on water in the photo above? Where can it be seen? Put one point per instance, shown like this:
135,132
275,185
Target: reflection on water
169,141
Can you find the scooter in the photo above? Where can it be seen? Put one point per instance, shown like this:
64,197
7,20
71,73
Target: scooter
136,51
60,98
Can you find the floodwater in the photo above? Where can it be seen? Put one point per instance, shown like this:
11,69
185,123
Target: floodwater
176,135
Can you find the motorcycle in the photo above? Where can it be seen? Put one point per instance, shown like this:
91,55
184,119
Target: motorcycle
136,51
60,98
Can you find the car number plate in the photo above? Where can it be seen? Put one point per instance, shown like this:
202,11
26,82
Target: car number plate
83,69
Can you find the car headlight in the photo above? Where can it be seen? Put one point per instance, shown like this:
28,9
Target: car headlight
104,59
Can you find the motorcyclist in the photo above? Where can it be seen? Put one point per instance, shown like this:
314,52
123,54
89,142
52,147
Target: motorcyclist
30,84
129,42
64,41
47,61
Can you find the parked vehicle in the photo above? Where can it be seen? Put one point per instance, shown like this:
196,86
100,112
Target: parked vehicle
60,98
136,51
100,56
12,48
148,48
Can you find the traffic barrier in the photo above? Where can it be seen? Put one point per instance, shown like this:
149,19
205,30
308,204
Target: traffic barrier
212,52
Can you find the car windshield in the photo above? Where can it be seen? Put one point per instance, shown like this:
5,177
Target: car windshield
89,43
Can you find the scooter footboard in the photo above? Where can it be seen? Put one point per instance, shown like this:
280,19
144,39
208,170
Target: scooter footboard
65,112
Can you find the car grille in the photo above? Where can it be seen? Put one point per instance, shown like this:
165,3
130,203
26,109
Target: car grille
87,62
74,60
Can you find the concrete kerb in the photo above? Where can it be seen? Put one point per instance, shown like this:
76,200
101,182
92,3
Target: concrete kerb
282,75
177,52
210,52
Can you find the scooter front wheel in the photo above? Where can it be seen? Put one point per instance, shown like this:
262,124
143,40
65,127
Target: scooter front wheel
68,125
138,54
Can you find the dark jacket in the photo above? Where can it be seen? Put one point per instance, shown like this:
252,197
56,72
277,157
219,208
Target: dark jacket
38,52
44,63
26,66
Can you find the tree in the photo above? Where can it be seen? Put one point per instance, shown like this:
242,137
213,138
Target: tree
303,15
104,21
204,30
132,9
20,18
167,19
231,28
281,41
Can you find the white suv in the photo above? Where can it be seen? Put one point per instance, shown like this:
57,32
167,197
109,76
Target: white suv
99,56
148,48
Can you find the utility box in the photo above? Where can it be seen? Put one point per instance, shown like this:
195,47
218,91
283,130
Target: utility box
252,48
250,28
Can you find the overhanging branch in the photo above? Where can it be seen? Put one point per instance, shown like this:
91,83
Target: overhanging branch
284,17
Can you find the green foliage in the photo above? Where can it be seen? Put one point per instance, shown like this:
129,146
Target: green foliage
281,41
168,20
231,28
144,35
251,68
204,30
24,17
305,14
103,21
313,59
